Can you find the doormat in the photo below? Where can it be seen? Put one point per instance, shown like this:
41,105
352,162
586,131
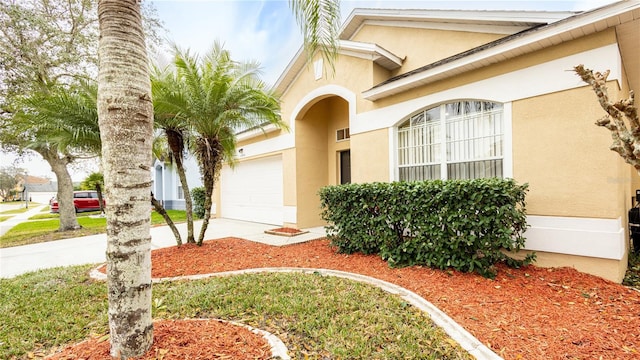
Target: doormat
285,231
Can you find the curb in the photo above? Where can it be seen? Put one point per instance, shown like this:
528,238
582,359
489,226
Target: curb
467,341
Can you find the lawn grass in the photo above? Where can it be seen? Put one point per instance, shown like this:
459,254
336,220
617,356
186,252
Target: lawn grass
178,216
14,211
33,232
316,316
3,218
57,216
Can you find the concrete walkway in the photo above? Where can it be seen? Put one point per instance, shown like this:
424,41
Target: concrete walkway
91,249
16,219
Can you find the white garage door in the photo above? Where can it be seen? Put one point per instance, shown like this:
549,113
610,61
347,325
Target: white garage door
252,191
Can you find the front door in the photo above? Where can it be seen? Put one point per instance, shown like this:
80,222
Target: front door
345,167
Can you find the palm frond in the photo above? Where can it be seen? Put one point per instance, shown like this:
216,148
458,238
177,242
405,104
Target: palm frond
319,21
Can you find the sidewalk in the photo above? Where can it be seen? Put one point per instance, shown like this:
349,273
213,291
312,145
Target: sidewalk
18,218
91,249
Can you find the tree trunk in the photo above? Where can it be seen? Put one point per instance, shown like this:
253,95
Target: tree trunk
209,183
66,208
160,210
187,201
210,156
100,197
176,144
125,115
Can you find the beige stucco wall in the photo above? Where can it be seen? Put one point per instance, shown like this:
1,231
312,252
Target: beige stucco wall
586,43
370,156
564,157
351,73
609,269
420,47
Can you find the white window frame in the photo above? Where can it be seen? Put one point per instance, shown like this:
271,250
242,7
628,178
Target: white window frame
445,153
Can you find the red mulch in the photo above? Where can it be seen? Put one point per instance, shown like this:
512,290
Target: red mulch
184,339
527,313
286,230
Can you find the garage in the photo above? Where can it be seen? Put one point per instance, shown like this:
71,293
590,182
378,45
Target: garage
252,191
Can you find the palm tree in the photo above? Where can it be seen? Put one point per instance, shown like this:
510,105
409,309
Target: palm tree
95,181
126,124
125,114
168,102
62,125
216,97
160,150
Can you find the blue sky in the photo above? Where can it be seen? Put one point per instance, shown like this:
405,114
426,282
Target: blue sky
266,31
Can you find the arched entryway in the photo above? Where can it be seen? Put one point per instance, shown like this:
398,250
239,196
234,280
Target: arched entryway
322,152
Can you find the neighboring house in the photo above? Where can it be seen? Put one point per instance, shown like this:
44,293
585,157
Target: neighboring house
38,190
433,94
166,183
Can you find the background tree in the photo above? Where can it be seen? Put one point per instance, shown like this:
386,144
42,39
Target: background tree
9,178
95,181
621,118
47,47
125,114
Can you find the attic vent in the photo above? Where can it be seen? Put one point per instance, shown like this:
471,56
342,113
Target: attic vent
342,134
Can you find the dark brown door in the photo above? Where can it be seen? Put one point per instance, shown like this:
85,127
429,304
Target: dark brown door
345,167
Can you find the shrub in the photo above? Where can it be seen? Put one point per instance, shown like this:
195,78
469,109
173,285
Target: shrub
462,224
198,196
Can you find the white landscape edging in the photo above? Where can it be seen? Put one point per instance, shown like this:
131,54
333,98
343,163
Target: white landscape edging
467,341
278,348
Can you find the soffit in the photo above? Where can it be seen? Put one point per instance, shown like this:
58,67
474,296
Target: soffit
512,46
503,22
372,52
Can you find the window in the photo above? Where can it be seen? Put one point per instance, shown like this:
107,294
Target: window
342,134
458,140
81,195
180,193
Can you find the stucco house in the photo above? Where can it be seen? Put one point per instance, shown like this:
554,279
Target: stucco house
440,94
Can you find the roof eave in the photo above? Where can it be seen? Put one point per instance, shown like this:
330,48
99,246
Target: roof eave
581,25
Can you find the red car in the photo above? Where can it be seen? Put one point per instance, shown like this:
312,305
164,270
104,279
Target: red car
85,200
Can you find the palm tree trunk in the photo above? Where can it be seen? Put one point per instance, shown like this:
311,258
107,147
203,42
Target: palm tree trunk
125,114
209,153
208,192
176,144
160,210
100,198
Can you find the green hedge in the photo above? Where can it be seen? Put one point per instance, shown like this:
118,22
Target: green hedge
462,224
198,196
